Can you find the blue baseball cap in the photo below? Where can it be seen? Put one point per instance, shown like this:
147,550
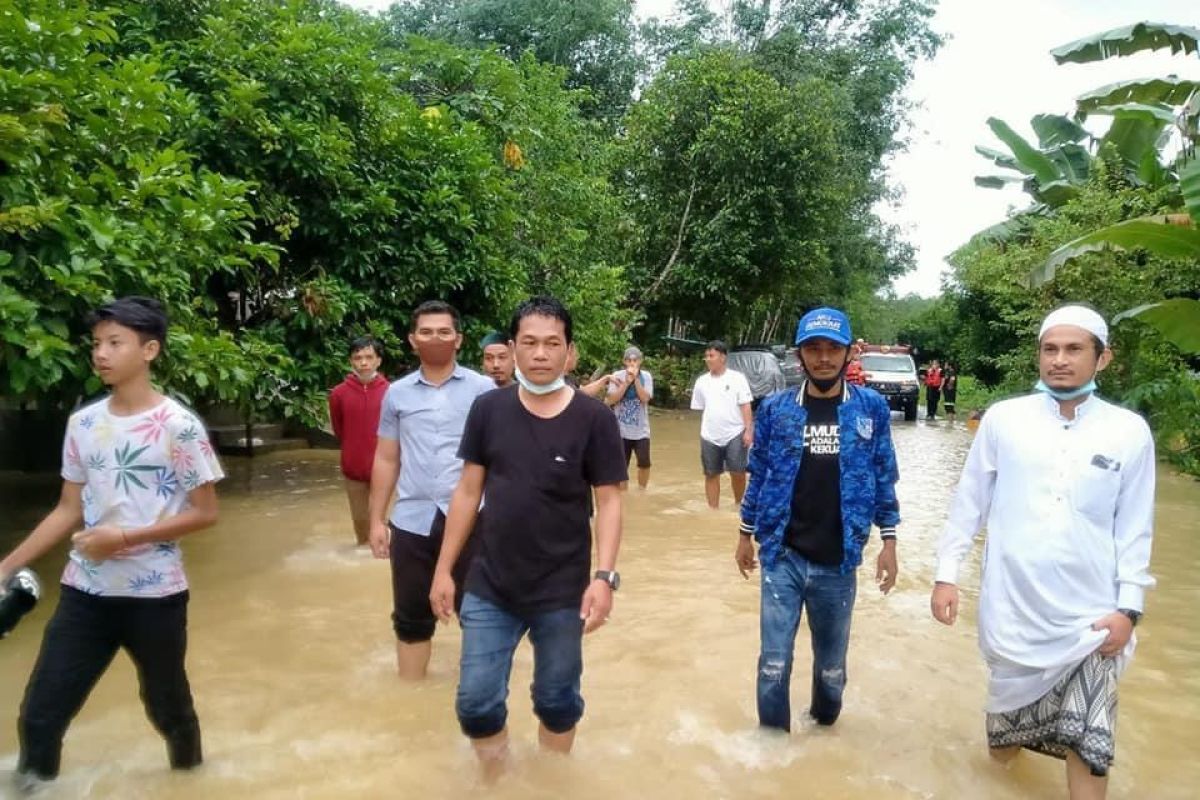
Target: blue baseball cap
824,323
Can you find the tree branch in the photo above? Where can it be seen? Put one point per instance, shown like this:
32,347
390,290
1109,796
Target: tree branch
687,211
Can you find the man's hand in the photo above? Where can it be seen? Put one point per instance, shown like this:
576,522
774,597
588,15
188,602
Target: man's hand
944,603
747,438
1119,627
596,606
744,556
99,543
885,566
441,595
380,539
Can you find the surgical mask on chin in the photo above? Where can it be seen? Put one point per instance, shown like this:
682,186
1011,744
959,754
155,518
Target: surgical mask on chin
539,388
1066,394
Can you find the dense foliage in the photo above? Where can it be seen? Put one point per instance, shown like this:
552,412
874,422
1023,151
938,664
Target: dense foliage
287,175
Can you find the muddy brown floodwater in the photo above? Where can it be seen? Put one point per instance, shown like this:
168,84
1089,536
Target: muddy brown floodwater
291,661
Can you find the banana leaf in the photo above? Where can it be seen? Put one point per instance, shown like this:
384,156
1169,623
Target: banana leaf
1152,234
1055,129
1189,186
1128,40
1168,91
1177,320
1026,154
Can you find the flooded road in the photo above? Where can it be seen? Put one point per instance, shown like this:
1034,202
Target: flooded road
291,660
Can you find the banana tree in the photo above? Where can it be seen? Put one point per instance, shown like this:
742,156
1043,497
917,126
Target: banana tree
1145,114
1173,236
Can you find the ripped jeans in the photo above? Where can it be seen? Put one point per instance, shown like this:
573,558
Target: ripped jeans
789,586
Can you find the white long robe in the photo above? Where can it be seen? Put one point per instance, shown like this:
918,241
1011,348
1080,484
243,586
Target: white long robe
1068,506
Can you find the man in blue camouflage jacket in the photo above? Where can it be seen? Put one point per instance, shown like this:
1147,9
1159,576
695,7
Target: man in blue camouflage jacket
822,470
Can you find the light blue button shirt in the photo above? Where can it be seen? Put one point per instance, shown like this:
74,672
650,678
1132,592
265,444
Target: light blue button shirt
428,422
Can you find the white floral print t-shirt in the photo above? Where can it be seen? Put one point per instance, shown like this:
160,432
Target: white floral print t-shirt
136,470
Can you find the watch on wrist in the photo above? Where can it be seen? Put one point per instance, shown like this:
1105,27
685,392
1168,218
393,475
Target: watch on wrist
1134,616
609,576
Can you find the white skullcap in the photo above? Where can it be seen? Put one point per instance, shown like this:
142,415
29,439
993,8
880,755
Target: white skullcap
1078,316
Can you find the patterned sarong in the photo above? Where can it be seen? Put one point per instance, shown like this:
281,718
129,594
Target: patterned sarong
1079,714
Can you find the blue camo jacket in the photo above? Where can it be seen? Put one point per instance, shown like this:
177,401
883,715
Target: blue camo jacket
867,461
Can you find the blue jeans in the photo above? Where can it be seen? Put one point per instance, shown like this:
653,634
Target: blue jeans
490,636
791,585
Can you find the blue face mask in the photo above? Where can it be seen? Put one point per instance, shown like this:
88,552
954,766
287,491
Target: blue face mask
539,388
1066,394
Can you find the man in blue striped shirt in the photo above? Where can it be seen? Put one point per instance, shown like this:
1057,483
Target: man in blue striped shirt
420,426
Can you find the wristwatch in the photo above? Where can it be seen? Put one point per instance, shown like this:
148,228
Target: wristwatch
1134,616
609,576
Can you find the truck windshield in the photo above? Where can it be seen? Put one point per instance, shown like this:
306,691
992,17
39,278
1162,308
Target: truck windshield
887,363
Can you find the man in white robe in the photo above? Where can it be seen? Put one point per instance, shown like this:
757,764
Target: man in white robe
1064,483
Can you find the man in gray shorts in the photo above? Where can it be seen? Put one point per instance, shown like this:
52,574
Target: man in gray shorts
726,427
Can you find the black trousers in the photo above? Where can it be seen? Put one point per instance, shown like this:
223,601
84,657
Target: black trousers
932,396
80,641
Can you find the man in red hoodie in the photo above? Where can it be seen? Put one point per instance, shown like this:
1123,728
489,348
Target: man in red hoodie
354,411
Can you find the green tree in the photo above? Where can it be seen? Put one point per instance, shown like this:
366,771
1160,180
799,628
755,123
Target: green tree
594,41
99,198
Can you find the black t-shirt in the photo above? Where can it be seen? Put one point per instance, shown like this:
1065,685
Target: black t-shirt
535,548
815,528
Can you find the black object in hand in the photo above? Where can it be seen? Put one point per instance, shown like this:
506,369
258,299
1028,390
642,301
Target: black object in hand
18,595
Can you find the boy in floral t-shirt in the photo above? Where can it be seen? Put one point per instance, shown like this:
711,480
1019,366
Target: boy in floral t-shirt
138,473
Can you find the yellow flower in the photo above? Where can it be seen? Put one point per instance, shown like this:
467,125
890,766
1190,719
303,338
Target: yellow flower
512,155
431,113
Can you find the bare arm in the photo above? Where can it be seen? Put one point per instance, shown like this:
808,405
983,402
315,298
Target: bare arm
598,598
460,522
66,516
384,471
643,393
608,526
748,425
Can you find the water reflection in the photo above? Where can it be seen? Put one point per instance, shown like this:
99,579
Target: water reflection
292,662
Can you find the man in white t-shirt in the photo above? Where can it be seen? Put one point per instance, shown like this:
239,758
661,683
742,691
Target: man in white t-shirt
726,427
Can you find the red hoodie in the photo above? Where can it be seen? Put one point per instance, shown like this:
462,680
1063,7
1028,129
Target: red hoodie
354,411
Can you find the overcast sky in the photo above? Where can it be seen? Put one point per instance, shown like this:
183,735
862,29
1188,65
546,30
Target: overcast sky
996,63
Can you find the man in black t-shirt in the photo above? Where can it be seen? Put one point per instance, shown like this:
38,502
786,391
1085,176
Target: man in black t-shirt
535,451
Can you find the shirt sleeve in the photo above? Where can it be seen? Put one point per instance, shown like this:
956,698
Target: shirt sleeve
192,454
473,447
972,499
649,386
335,412
757,466
389,422
604,456
887,473
1133,527
698,395
72,461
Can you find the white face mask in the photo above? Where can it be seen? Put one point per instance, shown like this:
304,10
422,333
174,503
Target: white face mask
539,388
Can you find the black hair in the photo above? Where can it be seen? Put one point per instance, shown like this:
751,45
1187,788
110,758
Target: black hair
718,345
542,305
145,315
363,342
435,307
